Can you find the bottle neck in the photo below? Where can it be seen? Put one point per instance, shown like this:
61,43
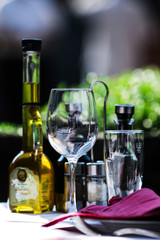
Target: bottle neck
32,128
124,124
31,77
31,118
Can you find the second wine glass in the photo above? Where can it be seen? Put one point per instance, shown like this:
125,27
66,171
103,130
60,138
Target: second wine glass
72,127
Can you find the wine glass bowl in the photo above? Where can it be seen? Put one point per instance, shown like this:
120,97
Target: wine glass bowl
72,126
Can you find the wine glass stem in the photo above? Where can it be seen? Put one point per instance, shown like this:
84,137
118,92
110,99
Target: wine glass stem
72,207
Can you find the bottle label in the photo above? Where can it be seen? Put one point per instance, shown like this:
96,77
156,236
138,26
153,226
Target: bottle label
24,186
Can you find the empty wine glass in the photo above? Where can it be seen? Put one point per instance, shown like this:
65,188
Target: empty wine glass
72,127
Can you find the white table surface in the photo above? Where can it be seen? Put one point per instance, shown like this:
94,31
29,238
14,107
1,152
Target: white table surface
17,226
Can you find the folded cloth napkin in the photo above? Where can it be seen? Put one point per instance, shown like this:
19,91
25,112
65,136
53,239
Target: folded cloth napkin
143,203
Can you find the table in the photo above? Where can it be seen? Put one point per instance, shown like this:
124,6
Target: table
29,226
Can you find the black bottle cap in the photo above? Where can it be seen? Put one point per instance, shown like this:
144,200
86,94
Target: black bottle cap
124,109
124,119
31,44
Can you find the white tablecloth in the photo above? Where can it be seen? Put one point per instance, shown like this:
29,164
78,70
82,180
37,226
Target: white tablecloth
16,226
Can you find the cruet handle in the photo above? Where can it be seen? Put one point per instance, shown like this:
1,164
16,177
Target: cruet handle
104,108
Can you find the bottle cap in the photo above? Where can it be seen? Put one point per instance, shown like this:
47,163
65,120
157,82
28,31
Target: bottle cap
124,119
124,109
31,44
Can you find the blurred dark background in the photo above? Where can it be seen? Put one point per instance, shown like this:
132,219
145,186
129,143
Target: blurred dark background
79,36
104,37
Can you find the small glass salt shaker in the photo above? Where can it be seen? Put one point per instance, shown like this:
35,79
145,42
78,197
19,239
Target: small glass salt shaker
96,184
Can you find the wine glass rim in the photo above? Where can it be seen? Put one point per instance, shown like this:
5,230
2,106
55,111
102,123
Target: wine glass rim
71,89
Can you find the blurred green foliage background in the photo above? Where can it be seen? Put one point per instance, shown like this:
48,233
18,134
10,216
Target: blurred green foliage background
140,87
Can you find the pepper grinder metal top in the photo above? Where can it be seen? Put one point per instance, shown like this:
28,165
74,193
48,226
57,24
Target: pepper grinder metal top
96,169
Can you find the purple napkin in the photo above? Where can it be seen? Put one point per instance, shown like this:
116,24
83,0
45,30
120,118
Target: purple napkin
141,204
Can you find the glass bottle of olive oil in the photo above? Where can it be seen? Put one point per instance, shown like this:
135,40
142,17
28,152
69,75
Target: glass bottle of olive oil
31,174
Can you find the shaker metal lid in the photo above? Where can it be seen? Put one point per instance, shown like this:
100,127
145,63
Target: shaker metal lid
96,169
